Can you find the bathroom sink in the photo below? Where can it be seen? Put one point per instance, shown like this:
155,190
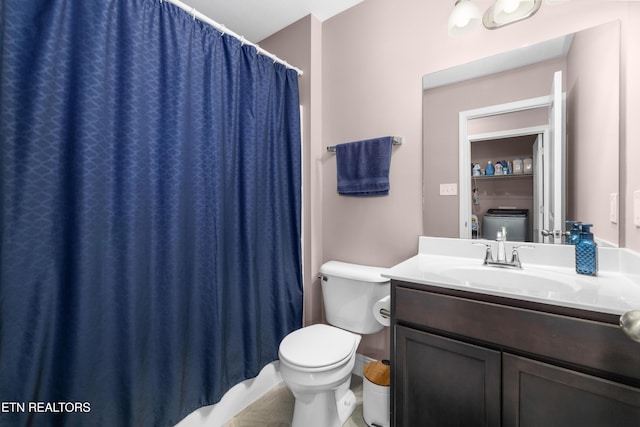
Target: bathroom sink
539,282
547,276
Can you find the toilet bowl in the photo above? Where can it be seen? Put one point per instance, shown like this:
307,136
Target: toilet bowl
316,362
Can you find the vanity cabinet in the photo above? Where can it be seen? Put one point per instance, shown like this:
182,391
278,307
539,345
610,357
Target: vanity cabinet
445,382
542,394
468,359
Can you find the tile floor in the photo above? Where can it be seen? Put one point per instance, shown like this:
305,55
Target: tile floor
275,409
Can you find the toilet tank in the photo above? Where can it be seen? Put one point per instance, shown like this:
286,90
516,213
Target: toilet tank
349,292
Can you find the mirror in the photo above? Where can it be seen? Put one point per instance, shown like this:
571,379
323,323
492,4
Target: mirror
590,64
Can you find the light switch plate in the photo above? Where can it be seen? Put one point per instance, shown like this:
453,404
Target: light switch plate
613,208
448,189
636,208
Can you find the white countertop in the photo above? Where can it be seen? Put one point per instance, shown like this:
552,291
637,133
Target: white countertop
615,290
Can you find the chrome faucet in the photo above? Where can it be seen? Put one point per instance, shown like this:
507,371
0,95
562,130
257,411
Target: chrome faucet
501,257
501,237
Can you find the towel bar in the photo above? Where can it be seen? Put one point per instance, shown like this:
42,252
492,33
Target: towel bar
397,140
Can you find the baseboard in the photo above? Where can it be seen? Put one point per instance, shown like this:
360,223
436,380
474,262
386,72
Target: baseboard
361,360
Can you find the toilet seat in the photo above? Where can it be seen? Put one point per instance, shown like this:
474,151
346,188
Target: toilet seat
317,346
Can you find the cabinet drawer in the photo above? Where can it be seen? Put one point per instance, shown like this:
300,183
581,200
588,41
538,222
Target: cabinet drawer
595,346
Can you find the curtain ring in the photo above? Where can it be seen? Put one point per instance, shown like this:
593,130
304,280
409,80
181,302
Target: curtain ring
223,30
242,41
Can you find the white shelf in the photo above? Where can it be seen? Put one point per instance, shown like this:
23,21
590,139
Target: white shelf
510,176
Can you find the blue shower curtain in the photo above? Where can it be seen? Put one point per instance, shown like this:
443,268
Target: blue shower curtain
150,212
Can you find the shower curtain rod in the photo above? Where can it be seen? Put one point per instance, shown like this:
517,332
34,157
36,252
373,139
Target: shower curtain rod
225,30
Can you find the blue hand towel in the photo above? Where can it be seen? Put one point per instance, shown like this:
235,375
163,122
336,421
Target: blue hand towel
363,167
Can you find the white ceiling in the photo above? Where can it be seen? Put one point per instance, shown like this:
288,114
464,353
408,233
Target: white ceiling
258,19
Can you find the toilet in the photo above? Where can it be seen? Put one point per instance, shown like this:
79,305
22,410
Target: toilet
316,362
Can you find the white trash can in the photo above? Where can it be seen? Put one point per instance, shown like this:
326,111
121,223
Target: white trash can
375,394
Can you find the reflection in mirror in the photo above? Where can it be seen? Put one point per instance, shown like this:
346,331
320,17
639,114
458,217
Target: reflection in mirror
590,65
540,179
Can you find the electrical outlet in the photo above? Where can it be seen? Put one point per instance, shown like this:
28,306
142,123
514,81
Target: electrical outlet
448,189
636,208
613,208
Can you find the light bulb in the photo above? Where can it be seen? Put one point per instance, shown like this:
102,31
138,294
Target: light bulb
510,6
462,21
464,18
506,11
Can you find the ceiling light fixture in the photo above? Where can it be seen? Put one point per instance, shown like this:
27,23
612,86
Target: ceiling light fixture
505,12
464,18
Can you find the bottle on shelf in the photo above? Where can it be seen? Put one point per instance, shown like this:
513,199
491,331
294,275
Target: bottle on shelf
499,169
517,166
489,170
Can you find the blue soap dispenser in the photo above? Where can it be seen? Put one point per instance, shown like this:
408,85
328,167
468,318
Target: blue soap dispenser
574,232
586,252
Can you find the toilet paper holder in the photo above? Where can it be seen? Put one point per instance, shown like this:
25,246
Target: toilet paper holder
382,311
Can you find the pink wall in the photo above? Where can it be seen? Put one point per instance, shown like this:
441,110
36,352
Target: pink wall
593,74
630,134
368,84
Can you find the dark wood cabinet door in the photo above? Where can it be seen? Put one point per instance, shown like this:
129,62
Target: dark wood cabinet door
442,382
538,394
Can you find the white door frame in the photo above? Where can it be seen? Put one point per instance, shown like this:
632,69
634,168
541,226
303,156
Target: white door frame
464,147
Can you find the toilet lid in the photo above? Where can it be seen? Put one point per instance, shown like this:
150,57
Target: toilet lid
316,346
